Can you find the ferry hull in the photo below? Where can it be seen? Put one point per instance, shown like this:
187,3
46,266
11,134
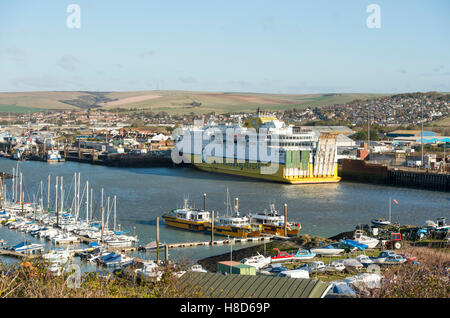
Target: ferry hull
230,231
184,224
253,170
279,230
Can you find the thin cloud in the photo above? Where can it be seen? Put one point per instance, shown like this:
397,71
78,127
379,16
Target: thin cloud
68,63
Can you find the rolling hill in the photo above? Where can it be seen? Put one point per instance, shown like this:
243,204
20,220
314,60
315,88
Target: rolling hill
174,102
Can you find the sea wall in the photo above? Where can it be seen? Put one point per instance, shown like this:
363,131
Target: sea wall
361,171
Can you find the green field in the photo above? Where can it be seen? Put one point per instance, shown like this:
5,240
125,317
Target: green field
172,102
8,108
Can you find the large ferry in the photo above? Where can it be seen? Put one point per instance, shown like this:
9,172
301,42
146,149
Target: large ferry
297,155
187,218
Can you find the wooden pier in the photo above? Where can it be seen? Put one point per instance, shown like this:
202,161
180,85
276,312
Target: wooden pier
17,254
220,242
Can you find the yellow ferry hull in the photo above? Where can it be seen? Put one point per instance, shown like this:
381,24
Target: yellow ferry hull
279,230
253,170
184,224
230,231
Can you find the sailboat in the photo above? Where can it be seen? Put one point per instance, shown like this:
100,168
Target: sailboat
383,221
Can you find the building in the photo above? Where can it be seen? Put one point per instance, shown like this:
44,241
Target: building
230,267
215,285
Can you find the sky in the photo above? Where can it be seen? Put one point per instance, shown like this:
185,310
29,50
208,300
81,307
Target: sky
292,47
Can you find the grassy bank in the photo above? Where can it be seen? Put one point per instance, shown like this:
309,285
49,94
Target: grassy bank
32,280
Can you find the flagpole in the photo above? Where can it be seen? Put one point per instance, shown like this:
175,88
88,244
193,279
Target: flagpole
390,199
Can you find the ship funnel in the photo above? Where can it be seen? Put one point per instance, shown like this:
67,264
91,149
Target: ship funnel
236,206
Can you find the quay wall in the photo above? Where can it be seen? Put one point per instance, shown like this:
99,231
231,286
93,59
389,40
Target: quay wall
361,171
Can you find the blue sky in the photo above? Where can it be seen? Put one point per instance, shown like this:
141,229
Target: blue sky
210,45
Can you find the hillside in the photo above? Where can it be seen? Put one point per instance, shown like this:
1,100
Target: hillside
173,102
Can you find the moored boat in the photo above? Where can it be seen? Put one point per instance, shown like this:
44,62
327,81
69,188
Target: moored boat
273,223
187,218
234,225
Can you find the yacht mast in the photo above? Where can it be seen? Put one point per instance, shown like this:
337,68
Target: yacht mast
115,199
48,193
87,201
13,182
91,204
62,196
75,193
56,202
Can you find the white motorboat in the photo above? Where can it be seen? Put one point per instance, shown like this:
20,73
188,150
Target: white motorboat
57,256
334,267
365,260
65,238
363,239
258,261
318,266
197,268
381,222
150,269
295,273
327,250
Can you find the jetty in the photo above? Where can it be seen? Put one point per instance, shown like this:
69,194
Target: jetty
17,254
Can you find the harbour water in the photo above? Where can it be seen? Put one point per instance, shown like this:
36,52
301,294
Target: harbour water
145,193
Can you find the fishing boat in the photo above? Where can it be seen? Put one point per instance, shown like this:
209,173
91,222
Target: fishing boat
304,255
53,156
187,218
363,239
273,223
439,225
232,225
258,261
281,256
